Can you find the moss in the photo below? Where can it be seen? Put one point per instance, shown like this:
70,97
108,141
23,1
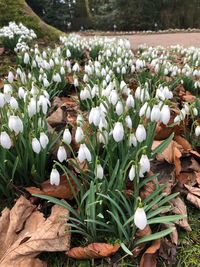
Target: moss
189,242
19,11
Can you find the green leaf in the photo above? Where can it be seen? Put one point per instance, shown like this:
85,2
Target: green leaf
162,146
125,249
166,219
159,210
155,236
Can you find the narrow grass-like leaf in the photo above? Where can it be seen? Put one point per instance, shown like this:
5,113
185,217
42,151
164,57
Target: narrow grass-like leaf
125,249
166,219
162,146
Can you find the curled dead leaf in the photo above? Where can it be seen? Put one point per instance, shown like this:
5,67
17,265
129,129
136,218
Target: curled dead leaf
63,190
183,142
194,200
93,251
25,233
149,257
193,190
141,233
180,209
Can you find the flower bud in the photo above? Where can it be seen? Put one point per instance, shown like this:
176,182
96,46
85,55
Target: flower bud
131,174
44,140
79,135
118,132
67,137
36,145
54,177
165,114
140,133
140,218
99,171
5,140
197,131
61,154
155,113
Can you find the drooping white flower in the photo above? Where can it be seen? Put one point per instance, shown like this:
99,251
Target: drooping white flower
79,135
140,218
54,177
15,124
44,140
67,137
14,103
10,77
21,92
165,114
26,58
144,165
99,173
2,100
76,67
132,140
7,90
131,174
155,113
113,98
197,131
128,122
36,146
119,108
118,132
84,153
61,154
46,82
140,133
130,102
32,107
5,140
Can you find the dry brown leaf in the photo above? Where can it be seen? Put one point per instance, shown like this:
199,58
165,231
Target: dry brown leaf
183,142
57,118
194,200
1,84
148,189
2,49
141,233
193,190
25,233
149,257
180,209
93,251
171,154
198,178
63,190
187,178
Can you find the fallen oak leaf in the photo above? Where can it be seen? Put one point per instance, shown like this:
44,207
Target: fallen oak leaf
183,142
93,251
149,257
36,235
63,190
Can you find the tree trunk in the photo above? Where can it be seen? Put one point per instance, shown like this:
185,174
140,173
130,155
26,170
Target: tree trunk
20,11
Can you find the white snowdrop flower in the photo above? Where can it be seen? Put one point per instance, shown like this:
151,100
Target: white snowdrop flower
67,137
144,164
113,98
36,146
57,78
128,122
99,173
103,72
26,58
122,85
140,218
32,107
2,100
62,70
54,177
68,53
123,70
118,132
155,113
44,54
14,103
85,78
5,140
76,67
119,108
197,131
84,153
132,68
76,83
132,140
46,82
165,114
10,77
195,111
61,154
96,116
131,174
79,135
130,102
44,140
143,109
7,90
15,124
51,63
21,92
140,133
